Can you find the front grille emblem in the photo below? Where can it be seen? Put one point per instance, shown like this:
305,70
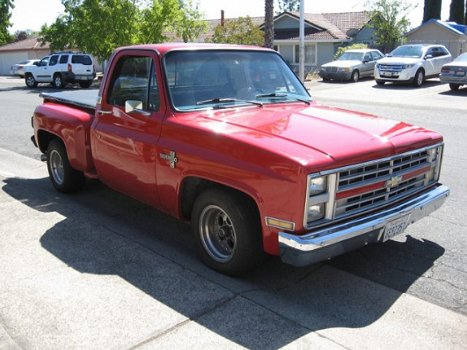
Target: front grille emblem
394,181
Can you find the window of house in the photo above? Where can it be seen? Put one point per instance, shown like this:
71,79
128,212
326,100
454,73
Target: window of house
310,54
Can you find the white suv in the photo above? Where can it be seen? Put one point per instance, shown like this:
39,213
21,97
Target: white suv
412,64
60,69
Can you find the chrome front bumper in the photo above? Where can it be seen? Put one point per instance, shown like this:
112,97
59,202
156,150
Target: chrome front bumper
335,240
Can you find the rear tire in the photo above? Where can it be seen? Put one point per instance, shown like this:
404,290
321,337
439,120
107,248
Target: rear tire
454,87
419,78
227,230
63,177
30,81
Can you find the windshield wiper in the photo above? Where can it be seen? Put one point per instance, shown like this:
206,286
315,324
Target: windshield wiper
275,94
227,100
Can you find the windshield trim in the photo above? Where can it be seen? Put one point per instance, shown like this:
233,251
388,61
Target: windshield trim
226,49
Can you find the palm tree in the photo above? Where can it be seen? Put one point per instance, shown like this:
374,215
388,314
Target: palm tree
268,23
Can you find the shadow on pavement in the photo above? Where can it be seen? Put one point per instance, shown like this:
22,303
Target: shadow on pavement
106,233
407,86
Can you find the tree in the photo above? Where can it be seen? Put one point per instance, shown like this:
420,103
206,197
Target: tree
22,34
100,26
269,23
238,31
289,5
432,10
5,14
456,11
389,19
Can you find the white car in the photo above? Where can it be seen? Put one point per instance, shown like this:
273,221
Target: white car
18,68
455,73
412,64
60,69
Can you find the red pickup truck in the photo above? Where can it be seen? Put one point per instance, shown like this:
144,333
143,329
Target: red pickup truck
228,138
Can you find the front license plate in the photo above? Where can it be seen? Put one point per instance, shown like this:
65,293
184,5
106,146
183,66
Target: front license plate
461,74
395,227
386,74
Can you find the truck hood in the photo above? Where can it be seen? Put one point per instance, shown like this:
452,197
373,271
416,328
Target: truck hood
342,64
317,133
399,60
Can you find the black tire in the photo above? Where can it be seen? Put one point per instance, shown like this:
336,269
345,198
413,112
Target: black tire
227,231
380,82
326,79
85,84
355,76
58,81
454,87
419,78
63,177
30,81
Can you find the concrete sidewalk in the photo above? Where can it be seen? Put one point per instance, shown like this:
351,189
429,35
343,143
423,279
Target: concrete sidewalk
98,270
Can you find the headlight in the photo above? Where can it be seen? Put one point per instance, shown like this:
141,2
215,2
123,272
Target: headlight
315,212
317,198
317,185
405,66
345,69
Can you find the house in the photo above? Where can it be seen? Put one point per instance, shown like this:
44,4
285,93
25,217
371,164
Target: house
324,33
16,52
434,31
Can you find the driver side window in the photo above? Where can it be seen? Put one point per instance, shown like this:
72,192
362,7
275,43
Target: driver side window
134,78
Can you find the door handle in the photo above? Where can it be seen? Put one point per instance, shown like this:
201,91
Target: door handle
101,112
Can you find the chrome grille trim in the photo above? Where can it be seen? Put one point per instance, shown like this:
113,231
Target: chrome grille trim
388,170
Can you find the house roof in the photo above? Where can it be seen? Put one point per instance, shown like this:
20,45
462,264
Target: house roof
328,26
459,29
25,45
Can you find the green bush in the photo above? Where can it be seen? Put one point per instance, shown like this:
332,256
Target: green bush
342,49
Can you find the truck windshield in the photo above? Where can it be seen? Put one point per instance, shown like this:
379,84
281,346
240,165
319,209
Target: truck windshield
210,79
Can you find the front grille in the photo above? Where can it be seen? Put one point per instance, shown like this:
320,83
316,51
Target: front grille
390,67
366,186
331,69
356,189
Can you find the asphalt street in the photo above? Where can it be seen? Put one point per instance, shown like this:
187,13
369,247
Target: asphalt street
100,270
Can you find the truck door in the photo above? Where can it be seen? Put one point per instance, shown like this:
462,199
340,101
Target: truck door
40,73
124,142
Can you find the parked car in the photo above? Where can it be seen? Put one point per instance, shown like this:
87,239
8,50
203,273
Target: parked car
412,64
60,69
455,73
351,65
18,68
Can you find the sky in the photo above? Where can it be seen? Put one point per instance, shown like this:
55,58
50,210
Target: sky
32,14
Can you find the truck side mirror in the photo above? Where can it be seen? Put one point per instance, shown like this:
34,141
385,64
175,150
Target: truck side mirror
135,106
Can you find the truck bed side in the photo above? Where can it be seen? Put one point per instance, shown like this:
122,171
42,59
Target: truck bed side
69,123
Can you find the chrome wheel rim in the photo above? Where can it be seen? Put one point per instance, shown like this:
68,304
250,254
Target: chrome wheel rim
217,233
420,79
355,76
58,81
56,167
30,81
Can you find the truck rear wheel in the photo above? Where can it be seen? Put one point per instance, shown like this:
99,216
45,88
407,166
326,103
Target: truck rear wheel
63,177
227,231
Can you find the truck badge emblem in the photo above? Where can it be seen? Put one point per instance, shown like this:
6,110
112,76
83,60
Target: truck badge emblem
394,181
171,157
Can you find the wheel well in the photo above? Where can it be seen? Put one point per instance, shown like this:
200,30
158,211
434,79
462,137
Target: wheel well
44,139
192,187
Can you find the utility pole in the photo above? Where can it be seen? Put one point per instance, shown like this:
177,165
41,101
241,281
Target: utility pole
301,48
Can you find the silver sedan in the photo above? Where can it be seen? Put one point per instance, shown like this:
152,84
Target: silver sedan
455,72
351,65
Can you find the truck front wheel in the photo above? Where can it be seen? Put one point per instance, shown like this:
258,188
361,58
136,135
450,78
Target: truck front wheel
227,231
30,81
63,177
